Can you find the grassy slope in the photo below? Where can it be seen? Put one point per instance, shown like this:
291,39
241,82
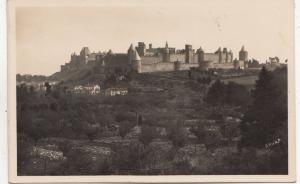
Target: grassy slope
248,81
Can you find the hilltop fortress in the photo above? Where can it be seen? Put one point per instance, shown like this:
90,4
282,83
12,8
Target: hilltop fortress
144,60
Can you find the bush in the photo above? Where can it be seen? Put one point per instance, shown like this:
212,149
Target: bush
127,159
124,128
216,93
79,162
91,131
212,139
231,94
148,133
176,135
24,148
65,146
199,132
37,129
236,94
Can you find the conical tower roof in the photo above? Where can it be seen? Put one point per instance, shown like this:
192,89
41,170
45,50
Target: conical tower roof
219,50
166,49
243,48
130,48
136,56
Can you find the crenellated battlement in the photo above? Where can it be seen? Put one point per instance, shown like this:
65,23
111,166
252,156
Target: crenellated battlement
150,59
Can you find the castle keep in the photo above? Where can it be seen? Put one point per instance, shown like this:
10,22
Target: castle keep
143,59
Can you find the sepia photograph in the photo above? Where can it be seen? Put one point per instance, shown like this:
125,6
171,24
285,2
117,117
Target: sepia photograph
200,88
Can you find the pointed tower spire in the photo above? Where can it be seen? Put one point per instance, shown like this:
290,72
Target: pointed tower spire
199,50
243,48
136,56
131,47
166,45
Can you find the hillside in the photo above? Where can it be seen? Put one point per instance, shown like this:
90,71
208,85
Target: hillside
75,77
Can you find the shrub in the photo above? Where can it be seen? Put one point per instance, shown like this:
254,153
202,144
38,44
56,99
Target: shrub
23,154
124,128
148,133
91,131
37,129
176,135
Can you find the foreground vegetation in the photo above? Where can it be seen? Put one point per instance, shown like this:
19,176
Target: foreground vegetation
188,126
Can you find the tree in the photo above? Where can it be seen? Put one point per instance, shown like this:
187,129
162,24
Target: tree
123,116
236,94
148,133
177,135
110,80
124,128
22,93
199,132
48,88
76,125
231,93
91,131
65,146
78,162
56,93
268,110
31,89
54,106
37,129
216,93
127,160
212,139
58,126
24,148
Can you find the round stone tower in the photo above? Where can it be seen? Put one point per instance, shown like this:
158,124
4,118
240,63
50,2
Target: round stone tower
136,62
243,54
130,54
166,53
200,53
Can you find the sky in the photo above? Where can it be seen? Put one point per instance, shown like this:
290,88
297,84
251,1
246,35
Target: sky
46,36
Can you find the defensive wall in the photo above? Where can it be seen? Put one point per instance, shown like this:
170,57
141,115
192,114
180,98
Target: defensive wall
166,67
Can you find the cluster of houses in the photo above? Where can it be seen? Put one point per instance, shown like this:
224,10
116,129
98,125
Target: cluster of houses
95,90
116,91
87,90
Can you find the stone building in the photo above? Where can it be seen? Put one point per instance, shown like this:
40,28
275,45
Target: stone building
243,55
242,62
80,61
142,59
170,59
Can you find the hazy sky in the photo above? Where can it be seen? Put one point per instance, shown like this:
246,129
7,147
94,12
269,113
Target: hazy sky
46,36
